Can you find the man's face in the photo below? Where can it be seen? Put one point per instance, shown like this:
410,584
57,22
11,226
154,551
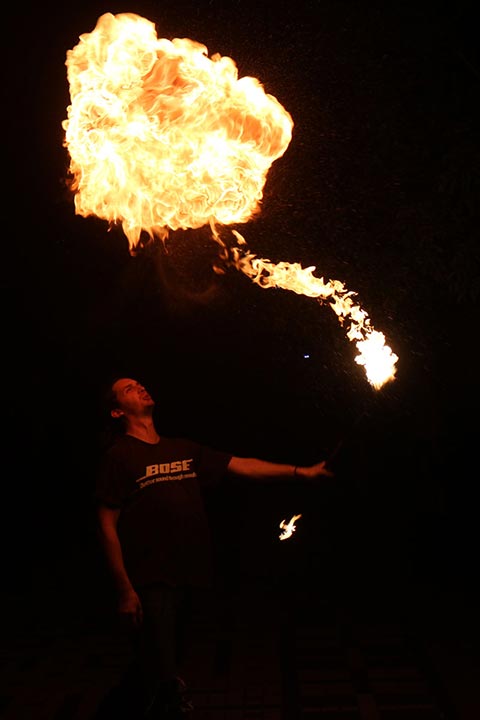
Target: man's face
132,398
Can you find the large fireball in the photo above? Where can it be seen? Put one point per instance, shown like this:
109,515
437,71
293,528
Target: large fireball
162,137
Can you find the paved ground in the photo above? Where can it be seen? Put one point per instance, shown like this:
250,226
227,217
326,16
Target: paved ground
259,652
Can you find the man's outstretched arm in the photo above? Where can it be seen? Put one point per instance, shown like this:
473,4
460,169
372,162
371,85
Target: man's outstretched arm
266,471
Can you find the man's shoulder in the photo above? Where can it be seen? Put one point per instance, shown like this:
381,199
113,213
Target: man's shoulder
118,446
128,444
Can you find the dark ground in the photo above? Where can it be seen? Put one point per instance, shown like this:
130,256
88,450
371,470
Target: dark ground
378,188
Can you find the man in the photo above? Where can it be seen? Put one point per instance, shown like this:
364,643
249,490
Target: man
154,532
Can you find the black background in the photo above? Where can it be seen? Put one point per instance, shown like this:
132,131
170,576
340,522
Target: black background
378,188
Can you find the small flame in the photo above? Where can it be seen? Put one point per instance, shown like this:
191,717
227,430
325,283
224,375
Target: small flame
288,528
162,137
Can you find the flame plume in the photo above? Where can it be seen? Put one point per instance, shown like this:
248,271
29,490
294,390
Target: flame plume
163,137
377,358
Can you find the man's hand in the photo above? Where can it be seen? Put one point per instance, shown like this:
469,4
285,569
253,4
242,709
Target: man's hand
130,608
314,472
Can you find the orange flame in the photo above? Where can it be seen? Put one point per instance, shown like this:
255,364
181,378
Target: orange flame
163,137
377,358
288,528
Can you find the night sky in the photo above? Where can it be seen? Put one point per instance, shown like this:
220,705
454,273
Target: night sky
378,188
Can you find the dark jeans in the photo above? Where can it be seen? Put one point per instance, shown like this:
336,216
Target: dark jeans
157,653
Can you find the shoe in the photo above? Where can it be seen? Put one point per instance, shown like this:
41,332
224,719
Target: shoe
183,699
174,705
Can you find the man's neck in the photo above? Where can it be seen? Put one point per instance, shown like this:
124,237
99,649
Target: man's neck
143,429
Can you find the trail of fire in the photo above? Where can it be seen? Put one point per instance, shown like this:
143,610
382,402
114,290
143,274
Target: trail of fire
377,358
162,137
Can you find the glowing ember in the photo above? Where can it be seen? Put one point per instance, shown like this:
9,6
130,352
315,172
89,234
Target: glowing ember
163,137
288,528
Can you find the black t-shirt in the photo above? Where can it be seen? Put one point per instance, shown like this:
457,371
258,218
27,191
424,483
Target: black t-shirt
163,526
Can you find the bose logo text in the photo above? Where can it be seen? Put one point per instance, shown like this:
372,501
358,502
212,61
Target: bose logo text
166,468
